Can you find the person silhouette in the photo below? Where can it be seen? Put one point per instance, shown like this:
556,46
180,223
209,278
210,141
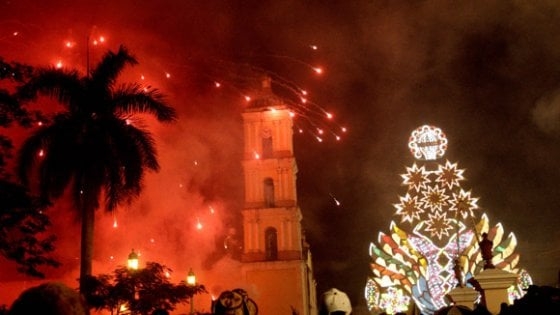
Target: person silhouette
51,298
486,251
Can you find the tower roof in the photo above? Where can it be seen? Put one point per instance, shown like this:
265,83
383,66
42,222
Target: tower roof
265,97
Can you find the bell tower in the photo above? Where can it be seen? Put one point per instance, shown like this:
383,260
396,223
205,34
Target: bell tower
276,258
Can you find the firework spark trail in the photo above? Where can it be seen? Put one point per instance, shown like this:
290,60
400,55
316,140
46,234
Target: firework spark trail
243,79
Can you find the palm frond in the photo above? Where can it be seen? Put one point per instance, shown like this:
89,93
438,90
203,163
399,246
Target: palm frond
145,143
110,66
27,157
124,165
132,98
61,84
113,189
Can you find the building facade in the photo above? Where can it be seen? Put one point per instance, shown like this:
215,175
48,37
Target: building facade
276,259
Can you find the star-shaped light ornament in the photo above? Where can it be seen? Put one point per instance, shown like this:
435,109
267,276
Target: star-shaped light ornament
434,198
463,204
438,225
409,208
448,175
416,177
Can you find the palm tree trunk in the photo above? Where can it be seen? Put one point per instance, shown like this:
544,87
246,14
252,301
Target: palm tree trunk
86,245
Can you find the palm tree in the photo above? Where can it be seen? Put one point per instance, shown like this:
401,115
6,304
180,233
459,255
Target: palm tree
91,149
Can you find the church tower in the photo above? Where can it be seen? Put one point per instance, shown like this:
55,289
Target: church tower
276,258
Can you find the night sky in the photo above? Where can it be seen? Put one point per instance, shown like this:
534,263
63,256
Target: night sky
486,72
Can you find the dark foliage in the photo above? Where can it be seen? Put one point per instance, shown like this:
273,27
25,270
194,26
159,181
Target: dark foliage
12,111
23,222
142,291
22,227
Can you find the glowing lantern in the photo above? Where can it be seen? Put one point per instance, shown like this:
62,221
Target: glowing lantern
191,278
133,260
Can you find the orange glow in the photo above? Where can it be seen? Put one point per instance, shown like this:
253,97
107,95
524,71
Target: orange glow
198,224
217,84
247,98
343,129
303,100
319,139
318,70
329,115
320,131
292,114
69,44
314,47
41,152
168,75
257,156
15,33
58,64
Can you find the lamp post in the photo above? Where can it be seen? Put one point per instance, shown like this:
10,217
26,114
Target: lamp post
191,282
132,265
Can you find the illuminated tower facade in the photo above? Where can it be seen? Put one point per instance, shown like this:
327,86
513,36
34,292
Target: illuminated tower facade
276,260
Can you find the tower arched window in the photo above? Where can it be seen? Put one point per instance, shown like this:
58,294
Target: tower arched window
271,244
266,143
268,192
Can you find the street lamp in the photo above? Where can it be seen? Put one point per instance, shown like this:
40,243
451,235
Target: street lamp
132,265
133,260
191,282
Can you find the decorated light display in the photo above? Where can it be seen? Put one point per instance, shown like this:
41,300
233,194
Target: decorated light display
434,236
394,301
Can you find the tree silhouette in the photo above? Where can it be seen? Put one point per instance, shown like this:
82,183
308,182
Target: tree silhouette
93,148
139,291
23,222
